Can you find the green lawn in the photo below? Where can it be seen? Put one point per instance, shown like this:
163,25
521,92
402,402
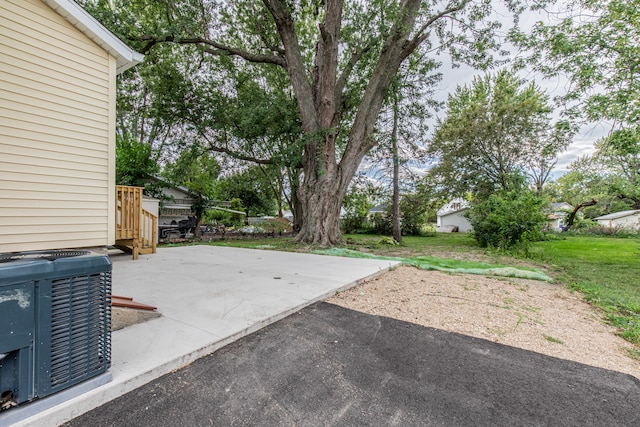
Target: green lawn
605,269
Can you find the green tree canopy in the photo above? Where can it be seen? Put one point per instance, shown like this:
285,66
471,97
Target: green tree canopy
135,162
339,59
252,187
495,128
594,43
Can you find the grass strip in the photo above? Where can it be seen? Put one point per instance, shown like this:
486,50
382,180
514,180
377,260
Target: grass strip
445,265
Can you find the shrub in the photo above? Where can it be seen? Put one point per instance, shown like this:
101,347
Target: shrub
381,223
237,219
217,217
389,241
415,214
353,223
507,219
277,226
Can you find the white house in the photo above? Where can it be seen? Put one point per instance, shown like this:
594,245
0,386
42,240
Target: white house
626,220
451,217
378,209
558,217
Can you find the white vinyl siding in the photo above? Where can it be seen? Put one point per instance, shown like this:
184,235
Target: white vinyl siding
456,219
627,222
57,91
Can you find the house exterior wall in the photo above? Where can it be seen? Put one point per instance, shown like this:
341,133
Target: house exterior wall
176,209
630,222
457,219
57,132
178,197
555,224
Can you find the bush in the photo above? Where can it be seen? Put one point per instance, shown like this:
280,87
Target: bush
353,223
381,223
277,226
237,220
414,213
508,219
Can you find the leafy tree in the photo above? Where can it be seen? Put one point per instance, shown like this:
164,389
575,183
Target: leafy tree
594,43
339,59
495,128
619,158
197,170
135,163
260,127
357,203
252,188
415,213
508,219
408,106
592,178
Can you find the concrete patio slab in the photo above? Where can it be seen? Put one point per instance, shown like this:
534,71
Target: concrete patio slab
209,297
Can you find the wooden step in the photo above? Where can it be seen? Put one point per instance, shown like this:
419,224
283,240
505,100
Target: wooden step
127,246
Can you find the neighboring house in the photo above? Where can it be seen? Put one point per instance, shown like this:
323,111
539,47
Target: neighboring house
176,205
557,219
58,72
625,220
377,210
451,217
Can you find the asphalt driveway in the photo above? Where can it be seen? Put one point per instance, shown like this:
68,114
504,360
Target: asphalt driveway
330,366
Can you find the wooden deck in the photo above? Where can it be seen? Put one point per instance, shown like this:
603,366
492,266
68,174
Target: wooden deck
136,228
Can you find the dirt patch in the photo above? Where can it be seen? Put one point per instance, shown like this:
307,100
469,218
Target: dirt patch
122,317
532,315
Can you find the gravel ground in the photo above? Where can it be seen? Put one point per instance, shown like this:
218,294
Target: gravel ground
537,316
122,317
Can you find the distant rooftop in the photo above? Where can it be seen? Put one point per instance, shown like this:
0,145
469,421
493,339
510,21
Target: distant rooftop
616,215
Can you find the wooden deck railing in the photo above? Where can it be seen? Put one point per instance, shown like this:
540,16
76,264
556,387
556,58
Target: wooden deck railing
136,228
149,227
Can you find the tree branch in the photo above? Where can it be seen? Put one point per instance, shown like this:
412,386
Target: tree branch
294,63
422,36
211,146
211,47
572,215
346,72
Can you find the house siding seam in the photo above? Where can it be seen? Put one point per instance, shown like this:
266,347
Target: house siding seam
57,118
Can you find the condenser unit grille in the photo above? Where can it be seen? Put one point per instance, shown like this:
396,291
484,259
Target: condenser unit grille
80,328
55,321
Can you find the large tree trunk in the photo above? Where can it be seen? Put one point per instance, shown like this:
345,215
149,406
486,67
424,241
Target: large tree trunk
321,201
326,179
294,202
